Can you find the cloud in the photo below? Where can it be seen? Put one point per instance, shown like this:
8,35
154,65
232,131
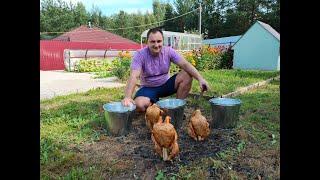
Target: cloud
110,7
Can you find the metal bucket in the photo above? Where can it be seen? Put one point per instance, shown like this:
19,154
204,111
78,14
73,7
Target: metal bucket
175,109
225,112
118,118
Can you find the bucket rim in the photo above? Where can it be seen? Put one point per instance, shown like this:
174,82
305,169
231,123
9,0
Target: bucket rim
107,107
225,101
184,102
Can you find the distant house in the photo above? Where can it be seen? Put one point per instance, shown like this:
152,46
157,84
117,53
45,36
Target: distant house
94,35
258,48
81,38
223,41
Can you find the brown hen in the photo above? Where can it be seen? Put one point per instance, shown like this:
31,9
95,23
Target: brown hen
165,139
198,127
152,115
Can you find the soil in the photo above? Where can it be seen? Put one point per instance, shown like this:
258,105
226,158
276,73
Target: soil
133,156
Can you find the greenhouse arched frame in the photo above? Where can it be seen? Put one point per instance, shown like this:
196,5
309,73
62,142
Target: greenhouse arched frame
177,40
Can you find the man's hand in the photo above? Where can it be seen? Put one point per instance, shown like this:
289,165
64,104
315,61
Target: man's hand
186,66
203,85
127,101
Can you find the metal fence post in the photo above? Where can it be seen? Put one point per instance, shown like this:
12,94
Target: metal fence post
105,52
69,60
85,56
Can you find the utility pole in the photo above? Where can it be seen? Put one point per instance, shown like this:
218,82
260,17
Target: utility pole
200,19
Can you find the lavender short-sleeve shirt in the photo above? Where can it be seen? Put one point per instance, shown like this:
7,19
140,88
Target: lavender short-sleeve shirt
154,69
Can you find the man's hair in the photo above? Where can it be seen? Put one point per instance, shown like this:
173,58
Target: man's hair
154,30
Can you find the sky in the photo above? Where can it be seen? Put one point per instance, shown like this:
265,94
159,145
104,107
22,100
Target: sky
110,7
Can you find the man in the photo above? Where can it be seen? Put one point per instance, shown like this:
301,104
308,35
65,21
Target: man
152,64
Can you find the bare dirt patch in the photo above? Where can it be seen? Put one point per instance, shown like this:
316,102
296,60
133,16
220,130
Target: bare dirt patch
133,156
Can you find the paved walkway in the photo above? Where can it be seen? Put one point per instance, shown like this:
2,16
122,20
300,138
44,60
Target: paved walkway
56,83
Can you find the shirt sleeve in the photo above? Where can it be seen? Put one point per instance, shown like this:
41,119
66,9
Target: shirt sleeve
136,63
175,57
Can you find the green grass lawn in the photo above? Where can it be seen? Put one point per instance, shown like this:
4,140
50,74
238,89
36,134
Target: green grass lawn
68,122
225,81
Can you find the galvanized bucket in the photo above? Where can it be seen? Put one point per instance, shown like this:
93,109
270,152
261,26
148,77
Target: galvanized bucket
225,112
118,118
175,109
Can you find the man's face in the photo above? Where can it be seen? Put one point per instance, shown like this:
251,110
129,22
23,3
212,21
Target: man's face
155,42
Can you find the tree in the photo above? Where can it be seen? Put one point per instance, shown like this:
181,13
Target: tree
81,16
122,22
56,16
159,10
137,20
219,17
207,18
149,19
272,13
96,17
182,7
109,22
170,25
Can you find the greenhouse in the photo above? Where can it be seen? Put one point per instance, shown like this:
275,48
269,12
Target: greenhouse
177,40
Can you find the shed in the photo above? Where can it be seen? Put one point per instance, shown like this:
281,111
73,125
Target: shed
258,48
223,41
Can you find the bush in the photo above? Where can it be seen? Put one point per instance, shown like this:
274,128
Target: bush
191,57
208,58
121,67
226,60
93,65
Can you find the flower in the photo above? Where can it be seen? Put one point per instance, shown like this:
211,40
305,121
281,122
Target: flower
193,62
127,54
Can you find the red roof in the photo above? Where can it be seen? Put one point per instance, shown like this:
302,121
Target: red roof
94,34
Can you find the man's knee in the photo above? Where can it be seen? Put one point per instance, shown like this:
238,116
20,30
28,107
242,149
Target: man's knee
183,80
186,80
142,103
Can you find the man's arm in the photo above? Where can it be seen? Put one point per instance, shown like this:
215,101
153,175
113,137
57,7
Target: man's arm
131,84
186,66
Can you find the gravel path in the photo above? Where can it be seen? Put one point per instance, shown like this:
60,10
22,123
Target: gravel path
57,83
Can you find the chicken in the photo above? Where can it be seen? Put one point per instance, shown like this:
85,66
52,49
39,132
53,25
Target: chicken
165,139
152,115
198,127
